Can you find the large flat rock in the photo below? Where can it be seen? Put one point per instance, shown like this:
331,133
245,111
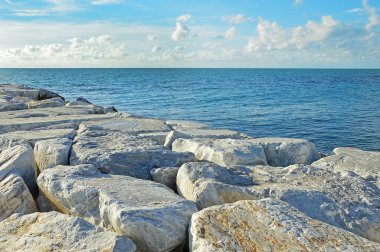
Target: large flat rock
344,200
15,197
58,232
18,160
123,153
166,176
151,214
268,225
224,152
14,90
364,163
288,151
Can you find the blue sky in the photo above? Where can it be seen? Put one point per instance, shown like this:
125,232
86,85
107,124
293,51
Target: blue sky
137,33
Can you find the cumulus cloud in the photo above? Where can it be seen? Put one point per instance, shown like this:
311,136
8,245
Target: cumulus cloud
297,2
30,13
184,18
152,37
373,19
230,33
237,19
77,49
181,32
271,36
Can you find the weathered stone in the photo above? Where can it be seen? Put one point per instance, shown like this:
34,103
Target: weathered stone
225,152
121,153
24,91
52,152
199,133
18,160
79,101
58,232
288,151
166,176
147,212
157,136
268,225
48,103
364,163
44,205
15,197
20,137
343,200
186,124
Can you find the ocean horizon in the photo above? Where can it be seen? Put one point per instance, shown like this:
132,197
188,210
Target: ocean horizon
330,107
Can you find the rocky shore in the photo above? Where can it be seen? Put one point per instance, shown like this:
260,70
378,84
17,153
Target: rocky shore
75,176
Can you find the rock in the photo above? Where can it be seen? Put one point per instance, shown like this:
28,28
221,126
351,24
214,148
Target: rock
364,163
185,124
15,198
19,160
268,225
52,152
122,153
342,200
79,101
48,103
159,137
225,152
288,151
166,176
21,137
152,215
199,133
24,91
44,205
58,232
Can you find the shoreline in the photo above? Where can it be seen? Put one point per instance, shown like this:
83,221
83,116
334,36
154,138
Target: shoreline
144,183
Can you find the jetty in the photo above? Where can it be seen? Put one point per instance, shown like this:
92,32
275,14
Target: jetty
76,176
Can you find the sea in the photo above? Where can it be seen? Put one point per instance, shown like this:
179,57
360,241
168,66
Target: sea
330,107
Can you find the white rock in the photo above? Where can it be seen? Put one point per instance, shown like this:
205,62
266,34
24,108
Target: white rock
58,232
343,200
48,103
166,176
288,151
124,154
24,91
18,160
364,163
199,133
225,152
151,214
160,137
186,124
52,152
15,198
268,225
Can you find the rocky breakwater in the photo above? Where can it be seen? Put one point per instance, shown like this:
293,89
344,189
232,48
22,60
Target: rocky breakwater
75,176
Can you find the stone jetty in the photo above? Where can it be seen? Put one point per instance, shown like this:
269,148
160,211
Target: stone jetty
76,176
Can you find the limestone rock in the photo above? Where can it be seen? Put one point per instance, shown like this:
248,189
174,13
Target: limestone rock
52,152
24,91
344,200
288,151
225,152
79,101
268,225
166,176
44,205
52,102
364,163
199,133
18,160
152,215
58,232
15,198
185,124
122,153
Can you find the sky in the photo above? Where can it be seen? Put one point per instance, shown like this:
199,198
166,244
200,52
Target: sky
190,33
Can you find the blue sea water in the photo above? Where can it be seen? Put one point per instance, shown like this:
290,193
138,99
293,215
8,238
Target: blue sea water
329,107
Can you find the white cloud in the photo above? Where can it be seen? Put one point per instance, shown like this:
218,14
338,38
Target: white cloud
297,2
373,19
181,32
271,36
156,48
30,13
152,37
230,33
9,2
184,18
237,19
82,50
101,2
